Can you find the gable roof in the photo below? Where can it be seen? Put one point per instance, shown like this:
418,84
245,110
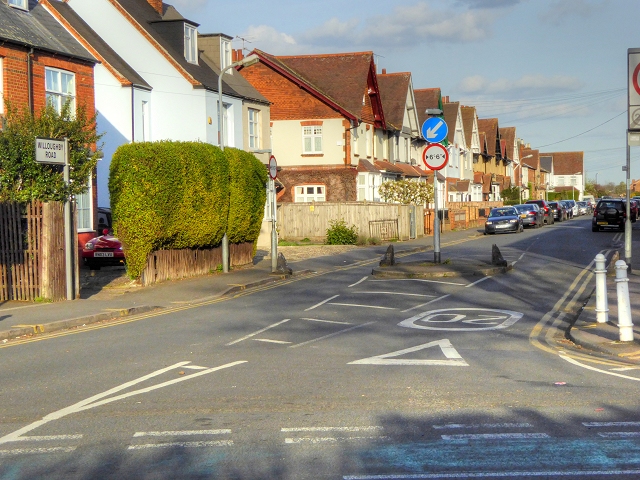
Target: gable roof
93,42
393,92
341,79
490,128
508,134
451,119
427,98
567,163
468,115
533,161
38,29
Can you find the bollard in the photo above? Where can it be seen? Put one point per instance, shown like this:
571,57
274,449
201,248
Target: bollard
602,303
624,309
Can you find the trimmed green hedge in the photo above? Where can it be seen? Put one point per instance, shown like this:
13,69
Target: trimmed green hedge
175,195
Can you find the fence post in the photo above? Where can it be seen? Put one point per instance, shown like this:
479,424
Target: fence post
602,303
624,310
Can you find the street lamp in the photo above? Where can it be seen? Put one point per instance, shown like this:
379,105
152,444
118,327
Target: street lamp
520,165
245,62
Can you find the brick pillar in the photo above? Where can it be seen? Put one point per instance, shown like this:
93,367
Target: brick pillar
157,5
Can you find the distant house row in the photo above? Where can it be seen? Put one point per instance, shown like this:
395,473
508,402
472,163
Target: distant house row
337,126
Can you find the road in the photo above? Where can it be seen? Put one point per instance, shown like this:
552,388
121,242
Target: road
339,375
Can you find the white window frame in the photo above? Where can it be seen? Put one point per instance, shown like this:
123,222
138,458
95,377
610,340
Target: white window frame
254,128
22,4
225,54
310,193
313,133
84,210
191,43
145,119
55,94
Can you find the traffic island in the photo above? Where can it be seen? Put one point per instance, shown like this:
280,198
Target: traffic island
450,267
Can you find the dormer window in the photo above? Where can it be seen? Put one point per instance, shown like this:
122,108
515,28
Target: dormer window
19,4
190,44
225,53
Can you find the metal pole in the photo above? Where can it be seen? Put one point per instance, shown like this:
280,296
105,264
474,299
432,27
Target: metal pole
225,238
68,229
436,220
602,303
274,232
624,309
627,224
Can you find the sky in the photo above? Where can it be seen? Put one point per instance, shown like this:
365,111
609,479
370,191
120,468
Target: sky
554,69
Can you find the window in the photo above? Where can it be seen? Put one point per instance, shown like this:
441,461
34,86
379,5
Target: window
18,3
60,88
225,54
190,44
312,139
83,205
362,187
310,193
254,129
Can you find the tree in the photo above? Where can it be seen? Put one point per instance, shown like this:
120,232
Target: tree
22,179
511,193
406,192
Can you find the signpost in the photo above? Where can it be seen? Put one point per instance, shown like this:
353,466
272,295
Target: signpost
435,157
273,173
633,114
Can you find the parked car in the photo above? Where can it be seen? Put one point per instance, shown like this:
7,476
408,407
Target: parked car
574,207
567,208
102,251
531,215
544,206
633,210
584,208
559,211
609,213
503,219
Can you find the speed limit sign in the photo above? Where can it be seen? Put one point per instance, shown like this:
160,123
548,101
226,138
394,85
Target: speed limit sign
435,156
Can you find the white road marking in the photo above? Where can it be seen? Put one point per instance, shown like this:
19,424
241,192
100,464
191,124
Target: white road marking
332,429
325,321
427,303
419,280
477,282
27,451
493,436
258,332
619,434
452,355
481,425
358,282
330,439
397,293
195,367
269,341
47,438
624,369
361,306
321,303
212,443
182,433
96,401
589,367
610,424
493,320
331,335
499,474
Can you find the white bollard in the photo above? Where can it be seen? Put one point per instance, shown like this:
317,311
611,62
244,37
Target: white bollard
624,307
602,303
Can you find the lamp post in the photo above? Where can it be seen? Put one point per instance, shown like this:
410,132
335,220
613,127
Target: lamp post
520,165
245,62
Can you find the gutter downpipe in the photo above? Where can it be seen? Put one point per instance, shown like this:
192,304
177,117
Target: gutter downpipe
30,80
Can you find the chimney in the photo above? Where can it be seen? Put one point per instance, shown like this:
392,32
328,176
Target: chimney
157,5
445,99
384,71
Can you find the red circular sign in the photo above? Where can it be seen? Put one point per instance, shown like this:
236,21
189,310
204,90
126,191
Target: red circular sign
273,167
635,79
435,156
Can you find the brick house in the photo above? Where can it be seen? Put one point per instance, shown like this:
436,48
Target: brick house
568,173
472,140
492,162
41,62
326,116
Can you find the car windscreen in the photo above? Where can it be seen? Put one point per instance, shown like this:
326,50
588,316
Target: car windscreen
502,212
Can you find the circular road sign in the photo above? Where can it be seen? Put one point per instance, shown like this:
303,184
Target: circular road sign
273,167
435,156
434,130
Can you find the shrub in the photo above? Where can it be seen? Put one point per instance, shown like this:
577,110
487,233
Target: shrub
339,234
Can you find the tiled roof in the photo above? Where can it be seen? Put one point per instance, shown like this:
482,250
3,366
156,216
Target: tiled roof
426,98
490,128
365,165
508,134
567,163
104,52
483,143
387,167
534,160
468,114
393,92
546,163
38,29
451,118
342,77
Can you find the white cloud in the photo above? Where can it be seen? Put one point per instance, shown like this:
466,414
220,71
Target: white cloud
525,85
270,40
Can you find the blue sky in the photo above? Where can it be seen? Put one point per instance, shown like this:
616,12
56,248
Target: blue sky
554,69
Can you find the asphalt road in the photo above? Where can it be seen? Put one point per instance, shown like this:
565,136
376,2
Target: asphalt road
339,376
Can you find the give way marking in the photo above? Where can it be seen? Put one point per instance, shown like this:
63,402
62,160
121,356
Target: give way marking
99,399
452,356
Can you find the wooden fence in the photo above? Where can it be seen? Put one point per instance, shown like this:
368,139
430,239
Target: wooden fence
165,265
297,221
32,261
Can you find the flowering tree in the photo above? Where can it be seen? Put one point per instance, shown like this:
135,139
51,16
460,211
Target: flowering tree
406,192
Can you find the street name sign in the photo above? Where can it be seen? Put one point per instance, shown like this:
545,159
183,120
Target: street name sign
434,130
49,150
435,156
633,86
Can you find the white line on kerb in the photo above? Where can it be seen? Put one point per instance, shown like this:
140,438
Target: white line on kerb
359,281
321,303
182,433
493,436
258,332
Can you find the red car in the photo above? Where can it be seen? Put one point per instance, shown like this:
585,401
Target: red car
103,250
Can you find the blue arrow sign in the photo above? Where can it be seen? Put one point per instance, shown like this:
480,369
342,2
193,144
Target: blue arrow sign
434,130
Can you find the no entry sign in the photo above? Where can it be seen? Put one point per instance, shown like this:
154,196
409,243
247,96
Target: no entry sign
435,156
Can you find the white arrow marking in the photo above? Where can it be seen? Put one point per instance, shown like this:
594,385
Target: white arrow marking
445,345
431,132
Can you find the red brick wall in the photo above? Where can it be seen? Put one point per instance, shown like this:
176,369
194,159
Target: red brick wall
289,102
340,183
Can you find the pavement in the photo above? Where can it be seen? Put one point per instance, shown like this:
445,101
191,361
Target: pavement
108,295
